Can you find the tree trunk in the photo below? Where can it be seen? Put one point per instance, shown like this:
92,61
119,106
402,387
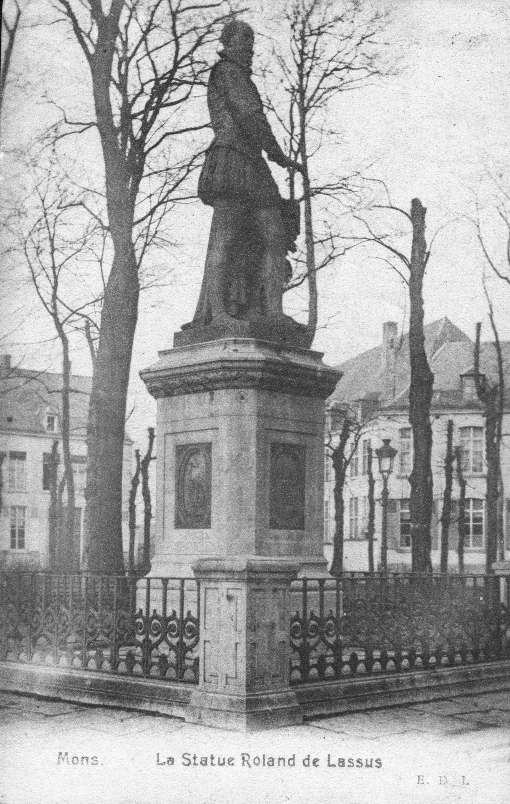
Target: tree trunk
107,407
107,412
492,491
501,516
147,506
461,520
2,458
309,240
446,513
69,561
135,480
371,511
53,508
420,398
491,399
340,468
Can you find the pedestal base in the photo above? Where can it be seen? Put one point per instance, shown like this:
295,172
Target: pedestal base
244,644
283,330
252,712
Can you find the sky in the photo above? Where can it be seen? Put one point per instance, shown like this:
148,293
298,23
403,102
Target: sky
432,131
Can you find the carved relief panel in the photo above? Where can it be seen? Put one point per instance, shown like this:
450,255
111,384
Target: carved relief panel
193,486
287,487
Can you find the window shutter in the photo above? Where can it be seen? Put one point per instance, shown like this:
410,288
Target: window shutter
507,524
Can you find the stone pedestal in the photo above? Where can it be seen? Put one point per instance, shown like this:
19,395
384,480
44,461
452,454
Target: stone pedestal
240,429
244,641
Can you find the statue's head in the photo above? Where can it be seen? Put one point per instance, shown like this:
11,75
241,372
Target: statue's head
237,39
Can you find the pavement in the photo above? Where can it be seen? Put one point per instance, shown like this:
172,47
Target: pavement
453,750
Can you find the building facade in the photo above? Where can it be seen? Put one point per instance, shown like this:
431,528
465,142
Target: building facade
30,415
375,389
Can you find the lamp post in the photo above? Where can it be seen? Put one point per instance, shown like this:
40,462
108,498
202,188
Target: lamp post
385,457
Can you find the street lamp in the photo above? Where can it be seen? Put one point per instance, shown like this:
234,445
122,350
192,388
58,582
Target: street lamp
385,457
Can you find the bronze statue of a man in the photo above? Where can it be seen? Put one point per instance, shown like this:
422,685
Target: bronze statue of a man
236,181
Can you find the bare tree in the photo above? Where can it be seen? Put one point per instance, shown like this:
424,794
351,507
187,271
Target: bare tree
421,379
341,448
446,513
461,514
11,16
145,61
497,261
371,509
491,395
147,504
54,512
52,246
333,48
135,481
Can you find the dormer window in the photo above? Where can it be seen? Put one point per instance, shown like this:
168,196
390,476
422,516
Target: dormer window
51,422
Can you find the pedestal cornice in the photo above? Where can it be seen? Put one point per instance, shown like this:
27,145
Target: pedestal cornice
240,363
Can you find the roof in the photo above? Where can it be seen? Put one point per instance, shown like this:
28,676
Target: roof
450,352
27,395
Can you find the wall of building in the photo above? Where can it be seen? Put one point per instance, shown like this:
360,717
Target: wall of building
399,557
35,500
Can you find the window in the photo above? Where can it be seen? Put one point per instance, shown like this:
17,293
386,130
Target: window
365,448
507,524
79,463
405,523
471,441
354,464
51,422
475,517
364,516
17,522
17,471
46,471
353,518
405,451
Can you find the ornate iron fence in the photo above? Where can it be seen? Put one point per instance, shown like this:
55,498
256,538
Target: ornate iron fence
112,624
365,624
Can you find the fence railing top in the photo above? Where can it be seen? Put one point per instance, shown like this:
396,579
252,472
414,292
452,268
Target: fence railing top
89,575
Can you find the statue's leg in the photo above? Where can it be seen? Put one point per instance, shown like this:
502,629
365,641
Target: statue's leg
272,234
225,226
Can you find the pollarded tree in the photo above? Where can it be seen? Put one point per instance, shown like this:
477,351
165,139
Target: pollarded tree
446,513
145,61
411,269
491,395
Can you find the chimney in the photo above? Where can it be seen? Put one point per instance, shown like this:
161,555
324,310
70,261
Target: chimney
468,386
388,359
5,364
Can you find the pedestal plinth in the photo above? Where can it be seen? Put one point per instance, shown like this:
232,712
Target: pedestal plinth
244,644
240,429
